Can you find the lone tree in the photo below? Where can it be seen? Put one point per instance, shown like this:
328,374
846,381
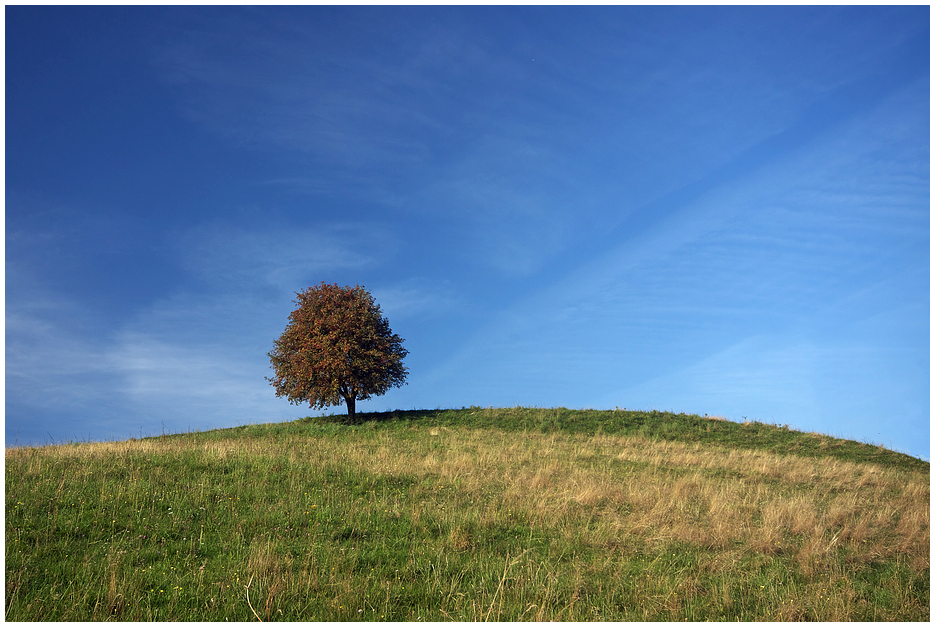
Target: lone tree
336,346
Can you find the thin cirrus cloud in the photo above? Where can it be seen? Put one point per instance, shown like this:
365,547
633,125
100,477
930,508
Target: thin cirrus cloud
287,86
758,295
48,364
496,176
231,257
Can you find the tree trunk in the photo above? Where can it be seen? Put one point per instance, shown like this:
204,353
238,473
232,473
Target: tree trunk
351,401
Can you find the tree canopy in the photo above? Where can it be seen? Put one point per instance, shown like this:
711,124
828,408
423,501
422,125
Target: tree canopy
336,346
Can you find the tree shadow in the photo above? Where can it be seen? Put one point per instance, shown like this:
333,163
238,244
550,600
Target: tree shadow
361,418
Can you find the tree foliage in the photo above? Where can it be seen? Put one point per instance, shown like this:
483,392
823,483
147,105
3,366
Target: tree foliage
336,346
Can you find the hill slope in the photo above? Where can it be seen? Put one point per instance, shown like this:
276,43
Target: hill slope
506,514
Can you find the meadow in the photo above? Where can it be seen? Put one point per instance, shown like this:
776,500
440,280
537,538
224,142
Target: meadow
469,515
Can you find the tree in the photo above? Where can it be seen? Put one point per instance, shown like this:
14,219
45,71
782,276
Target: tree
336,346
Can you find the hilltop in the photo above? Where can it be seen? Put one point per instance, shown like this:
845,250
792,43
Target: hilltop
470,514
653,425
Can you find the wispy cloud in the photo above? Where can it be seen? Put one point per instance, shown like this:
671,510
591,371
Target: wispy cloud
751,297
207,384
417,298
293,83
232,257
49,362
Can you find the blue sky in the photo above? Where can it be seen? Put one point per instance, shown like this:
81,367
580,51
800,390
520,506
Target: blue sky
706,210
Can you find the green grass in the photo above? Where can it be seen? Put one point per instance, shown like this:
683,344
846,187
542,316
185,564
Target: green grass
469,515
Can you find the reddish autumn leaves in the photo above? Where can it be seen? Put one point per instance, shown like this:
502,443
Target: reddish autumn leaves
336,346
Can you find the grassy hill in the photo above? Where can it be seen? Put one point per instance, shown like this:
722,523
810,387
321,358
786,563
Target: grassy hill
468,515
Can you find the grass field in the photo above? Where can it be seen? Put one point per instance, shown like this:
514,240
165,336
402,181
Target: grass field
469,515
